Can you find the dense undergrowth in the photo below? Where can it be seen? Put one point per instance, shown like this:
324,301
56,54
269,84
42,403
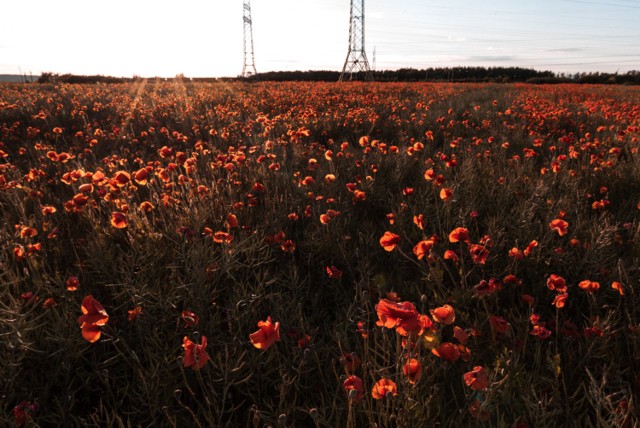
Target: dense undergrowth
427,254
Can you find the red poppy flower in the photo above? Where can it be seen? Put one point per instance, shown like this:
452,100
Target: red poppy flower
222,237
402,316
459,234
451,255
353,383
477,379
118,220
499,324
351,361
133,313
589,286
267,335
478,253
461,335
418,220
559,226
93,316
195,356
288,246
446,194
389,241
423,248
559,300
382,388
190,319
334,272
447,351
444,314
556,283
533,244
72,283
412,369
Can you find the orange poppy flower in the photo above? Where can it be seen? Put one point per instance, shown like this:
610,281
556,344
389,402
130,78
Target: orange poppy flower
589,286
122,178
195,356
232,221
446,194
477,379
353,383
222,237
447,351
267,335
383,388
28,232
444,314
418,220
559,226
48,210
141,176
118,220
423,248
93,316
133,313
451,255
533,244
459,234
389,241
559,300
412,369
618,287
540,331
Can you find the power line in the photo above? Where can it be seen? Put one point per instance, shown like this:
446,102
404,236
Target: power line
356,56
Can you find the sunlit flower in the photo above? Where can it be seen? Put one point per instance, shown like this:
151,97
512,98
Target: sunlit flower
353,383
382,388
389,241
477,379
412,370
195,355
93,317
560,226
267,335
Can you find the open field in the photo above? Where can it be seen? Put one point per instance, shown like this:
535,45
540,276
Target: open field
415,254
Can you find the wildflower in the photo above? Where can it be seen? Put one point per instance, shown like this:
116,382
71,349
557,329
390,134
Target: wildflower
72,283
447,351
589,286
267,335
334,272
444,314
93,317
459,234
477,379
559,226
384,387
389,241
133,313
559,300
402,316
353,383
556,283
618,287
190,319
412,369
423,248
195,356
118,220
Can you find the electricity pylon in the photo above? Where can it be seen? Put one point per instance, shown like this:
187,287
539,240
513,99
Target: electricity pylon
356,61
249,66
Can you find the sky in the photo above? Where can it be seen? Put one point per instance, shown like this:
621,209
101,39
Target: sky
204,38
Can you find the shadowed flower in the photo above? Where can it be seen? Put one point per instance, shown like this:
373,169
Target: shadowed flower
556,283
267,335
477,379
559,300
195,356
72,283
190,319
93,316
382,388
447,351
412,369
353,383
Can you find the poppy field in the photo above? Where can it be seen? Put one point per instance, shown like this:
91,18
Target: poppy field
319,254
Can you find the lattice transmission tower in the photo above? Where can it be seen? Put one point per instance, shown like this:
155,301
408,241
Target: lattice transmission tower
356,61
249,66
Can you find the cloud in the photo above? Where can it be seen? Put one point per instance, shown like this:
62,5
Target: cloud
494,58
565,50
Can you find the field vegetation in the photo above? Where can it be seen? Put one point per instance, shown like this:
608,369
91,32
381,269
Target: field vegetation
319,254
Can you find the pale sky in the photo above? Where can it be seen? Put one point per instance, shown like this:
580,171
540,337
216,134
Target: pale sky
202,38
